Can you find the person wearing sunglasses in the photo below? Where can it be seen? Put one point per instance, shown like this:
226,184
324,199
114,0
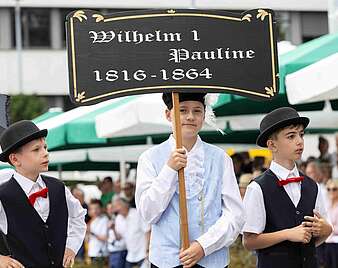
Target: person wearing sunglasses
331,249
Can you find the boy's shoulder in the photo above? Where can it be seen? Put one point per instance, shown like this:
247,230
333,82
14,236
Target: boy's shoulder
267,175
215,152
51,180
156,149
4,186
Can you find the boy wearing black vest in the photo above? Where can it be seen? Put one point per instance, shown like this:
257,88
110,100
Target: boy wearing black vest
42,223
285,210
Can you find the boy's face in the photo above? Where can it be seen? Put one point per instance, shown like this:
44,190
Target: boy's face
94,210
192,117
32,158
288,144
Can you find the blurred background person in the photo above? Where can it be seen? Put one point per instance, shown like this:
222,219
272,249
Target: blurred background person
135,232
313,171
97,232
117,186
106,187
79,195
326,171
331,248
334,159
128,189
247,163
238,162
116,245
258,164
323,147
244,181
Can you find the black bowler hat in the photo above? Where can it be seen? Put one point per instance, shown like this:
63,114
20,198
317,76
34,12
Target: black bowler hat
167,98
17,135
277,119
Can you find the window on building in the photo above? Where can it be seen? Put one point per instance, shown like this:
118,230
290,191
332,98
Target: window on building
35,27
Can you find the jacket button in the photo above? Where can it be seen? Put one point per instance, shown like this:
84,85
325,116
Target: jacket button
297,212
46,226
52,262
49,245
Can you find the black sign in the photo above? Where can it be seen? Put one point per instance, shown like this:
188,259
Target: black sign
151,51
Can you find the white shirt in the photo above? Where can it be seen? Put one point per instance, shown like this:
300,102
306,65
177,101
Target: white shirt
333,215
6,174
161,188
254,200
114,244
98,227
76,214
134,230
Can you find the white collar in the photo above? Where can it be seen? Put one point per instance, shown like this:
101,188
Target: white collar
195,148
282,172
27,184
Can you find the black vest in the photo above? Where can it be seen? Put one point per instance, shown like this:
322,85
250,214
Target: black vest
33,242
282,214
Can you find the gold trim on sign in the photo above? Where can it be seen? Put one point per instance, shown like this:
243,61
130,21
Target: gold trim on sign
177,86
273,54
98,17
81,96
247,17
173,14
270,91
73,55
262,14
80,15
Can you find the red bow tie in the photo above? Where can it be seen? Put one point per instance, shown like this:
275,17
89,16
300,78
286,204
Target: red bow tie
289,180
42,193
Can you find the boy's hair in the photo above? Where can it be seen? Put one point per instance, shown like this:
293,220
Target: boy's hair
167,98
321,139
274,134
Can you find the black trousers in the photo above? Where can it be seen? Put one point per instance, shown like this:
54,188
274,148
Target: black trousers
195,266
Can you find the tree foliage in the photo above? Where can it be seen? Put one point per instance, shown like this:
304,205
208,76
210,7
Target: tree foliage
26,107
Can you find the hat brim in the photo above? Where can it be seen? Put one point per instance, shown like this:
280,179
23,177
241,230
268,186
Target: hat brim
264,136
36,135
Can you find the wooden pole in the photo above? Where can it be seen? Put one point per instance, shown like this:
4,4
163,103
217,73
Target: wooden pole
181,181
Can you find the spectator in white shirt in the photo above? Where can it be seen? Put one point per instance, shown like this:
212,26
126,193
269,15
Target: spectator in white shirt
116,244
97,231
331,249
134,231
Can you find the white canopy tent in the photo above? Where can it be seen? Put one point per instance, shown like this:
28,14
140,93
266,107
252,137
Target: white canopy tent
316,82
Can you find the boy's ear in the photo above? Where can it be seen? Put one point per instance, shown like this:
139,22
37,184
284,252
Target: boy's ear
168,115
13,159
271,145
